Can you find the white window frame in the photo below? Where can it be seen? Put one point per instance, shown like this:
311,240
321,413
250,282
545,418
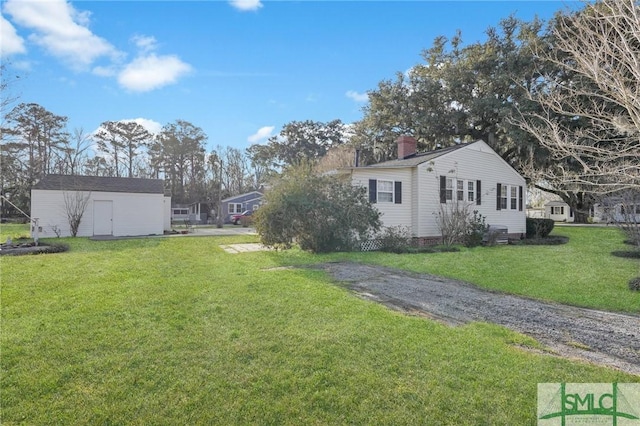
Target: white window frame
234,208
504,197
460,190
386,192
449,189
557,210
463,189
513,197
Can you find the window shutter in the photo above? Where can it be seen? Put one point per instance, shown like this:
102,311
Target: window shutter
373,190
498,197
443,189
478,192
398,193
520,199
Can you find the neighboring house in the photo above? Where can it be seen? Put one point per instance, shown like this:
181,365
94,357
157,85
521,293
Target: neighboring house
615,210
196,213
558,211
239,203
113,206
416,188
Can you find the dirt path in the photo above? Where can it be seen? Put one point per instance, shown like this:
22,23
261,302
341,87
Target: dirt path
600,337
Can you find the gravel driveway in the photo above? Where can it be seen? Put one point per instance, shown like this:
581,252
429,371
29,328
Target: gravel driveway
604,338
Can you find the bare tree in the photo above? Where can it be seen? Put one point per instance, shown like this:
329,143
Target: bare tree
75,204
590,111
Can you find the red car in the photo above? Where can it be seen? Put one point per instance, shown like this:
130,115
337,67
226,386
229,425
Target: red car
237,218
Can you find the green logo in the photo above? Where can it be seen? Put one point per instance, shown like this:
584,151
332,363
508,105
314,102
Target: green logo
565,404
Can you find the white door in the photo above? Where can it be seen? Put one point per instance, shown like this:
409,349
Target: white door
102,217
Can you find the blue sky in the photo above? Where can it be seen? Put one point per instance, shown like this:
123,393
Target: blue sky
240,70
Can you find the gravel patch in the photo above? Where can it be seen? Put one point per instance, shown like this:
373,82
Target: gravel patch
604,338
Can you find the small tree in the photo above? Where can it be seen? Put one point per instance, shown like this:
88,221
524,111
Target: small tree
320,213
75,204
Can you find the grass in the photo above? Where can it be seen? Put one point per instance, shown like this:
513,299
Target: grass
581,273
176,331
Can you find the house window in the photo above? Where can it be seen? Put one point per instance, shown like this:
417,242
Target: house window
460,190
557,210
465,190
177,212
503,197
385,191
449,191
514,197
235,208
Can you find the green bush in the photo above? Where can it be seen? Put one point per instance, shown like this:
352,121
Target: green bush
539,228
320,213
394,239
634,284
476,228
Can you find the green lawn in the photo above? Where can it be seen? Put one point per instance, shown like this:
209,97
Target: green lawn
176,331
582,272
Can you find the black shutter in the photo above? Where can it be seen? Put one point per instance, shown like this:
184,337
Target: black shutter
443,189
398,193
520,199
373,190
478,193
498,197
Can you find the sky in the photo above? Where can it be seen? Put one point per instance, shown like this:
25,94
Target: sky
240,69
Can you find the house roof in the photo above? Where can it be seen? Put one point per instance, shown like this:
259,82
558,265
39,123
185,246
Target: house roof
100,184
418,158
257,194
555,203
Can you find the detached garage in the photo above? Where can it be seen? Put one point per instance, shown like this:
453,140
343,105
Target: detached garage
109,206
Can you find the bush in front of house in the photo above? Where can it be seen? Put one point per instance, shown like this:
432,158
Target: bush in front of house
320,213
539,228
394,239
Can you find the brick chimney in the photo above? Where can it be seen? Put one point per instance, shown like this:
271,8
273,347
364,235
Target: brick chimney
407,147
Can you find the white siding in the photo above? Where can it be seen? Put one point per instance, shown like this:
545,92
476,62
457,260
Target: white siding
167,213
421,189
471,163
133,214
391,214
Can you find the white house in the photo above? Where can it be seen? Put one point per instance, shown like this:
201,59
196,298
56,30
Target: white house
112,206
558,211
414,189
616,210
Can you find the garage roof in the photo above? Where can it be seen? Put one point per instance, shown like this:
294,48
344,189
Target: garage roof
100,184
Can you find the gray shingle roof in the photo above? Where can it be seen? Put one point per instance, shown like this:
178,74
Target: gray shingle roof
419,158
100,184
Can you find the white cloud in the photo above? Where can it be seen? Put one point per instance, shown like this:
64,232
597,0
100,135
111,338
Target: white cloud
145,43
11,43
246,5
151,72
151,125
262,133
358,97
61,30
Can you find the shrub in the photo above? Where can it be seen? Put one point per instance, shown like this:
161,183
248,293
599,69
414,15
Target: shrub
394,239
476,228
320,213
539,228
634,284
